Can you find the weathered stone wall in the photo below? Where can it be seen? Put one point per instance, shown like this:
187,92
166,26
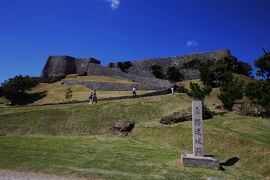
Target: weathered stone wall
108,86
190,74
63,65
142,67
139,72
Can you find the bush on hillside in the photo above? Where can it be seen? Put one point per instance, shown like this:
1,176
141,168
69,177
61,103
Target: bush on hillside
1,91
17,89
111,65
199,93
124,65
259,93
193,64
157,71
173,74
68,94
263,65
229,92
217,72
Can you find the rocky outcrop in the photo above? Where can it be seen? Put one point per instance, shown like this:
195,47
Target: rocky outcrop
57,66
248,109
124,126
175,118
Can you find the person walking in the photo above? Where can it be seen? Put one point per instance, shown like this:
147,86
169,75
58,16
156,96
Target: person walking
172,89
91,98
134,92
94,97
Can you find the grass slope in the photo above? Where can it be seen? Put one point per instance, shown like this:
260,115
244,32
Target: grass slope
56,93
85,145
151,151
98,79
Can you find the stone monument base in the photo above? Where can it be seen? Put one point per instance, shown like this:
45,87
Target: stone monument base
198,161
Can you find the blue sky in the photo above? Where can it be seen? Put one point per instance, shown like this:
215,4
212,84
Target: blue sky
112,30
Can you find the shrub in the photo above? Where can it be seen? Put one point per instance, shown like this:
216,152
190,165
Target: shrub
173,74
259,93
16,89
157,71
263,64
1,91
111,65
229,92
217,72
124,65
199,93
68,94
193,64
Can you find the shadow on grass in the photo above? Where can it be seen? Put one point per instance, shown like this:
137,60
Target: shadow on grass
229,162
24,99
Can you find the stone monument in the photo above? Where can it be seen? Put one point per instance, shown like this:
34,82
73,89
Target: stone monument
198,159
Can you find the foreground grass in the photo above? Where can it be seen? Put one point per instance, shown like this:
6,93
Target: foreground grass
151,151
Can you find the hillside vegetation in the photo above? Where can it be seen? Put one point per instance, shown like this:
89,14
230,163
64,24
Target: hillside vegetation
77,139
56,91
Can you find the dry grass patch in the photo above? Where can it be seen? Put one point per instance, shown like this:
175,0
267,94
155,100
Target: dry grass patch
98,79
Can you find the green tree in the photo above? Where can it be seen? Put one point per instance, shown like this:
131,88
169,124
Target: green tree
68,94
1,91
199,93
193,64
263,65
17,89
173,74
214,73
229,92
124,65
157,71
259,93
217,72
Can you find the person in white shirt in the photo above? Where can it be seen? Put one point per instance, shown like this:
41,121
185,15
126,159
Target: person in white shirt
134,92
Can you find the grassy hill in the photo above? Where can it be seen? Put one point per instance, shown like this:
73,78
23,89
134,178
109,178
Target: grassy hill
77,139
98,79
56,91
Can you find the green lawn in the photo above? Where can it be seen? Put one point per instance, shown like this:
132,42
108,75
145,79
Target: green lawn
76,139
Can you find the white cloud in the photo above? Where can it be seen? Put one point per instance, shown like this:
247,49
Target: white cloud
192,43
114,3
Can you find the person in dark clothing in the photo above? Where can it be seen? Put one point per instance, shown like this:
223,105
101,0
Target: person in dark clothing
94,97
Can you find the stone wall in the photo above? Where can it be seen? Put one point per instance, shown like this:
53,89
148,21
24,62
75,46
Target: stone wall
142,67
63,65
139,72
108,86
190,74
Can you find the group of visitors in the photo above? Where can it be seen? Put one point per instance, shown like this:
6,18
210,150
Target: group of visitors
93,95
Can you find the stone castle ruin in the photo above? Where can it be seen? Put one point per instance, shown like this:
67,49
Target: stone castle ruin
138,71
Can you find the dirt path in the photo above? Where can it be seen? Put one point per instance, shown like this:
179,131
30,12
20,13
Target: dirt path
14,175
